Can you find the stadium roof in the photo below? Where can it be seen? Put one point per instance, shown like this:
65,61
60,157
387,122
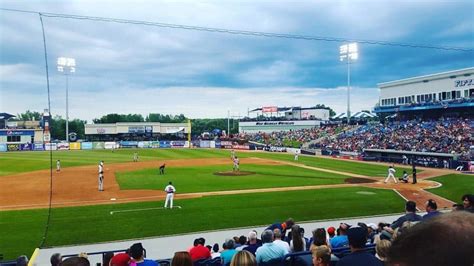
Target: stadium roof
361,114
284,109
5,116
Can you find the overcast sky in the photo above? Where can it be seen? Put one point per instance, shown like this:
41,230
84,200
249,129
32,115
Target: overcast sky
124,68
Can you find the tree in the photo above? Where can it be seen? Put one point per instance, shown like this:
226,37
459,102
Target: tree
115,118
28,116
58,127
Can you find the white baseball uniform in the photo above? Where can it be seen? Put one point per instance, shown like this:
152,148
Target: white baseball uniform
101,177
296,156
58,166
391,174
170,190
236,164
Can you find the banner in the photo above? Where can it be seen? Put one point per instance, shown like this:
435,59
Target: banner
204,144
110,145
50,146
3,147
178,144
38,147
144,144
75,146
155,144
13,147
293,150
217,144
26,147
226,144
86,146
17,133
269,109
98,145
63,146
165,144
128,144
240,147
212,144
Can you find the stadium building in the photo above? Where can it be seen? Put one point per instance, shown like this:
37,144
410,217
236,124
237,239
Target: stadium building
432,96
273,118
20,135
141,131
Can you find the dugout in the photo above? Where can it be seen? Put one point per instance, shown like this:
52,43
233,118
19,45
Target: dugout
427,159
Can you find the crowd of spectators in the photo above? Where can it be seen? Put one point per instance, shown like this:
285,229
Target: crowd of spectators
412,239
440,136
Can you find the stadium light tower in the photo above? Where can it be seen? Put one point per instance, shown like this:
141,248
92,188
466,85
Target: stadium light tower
348,52
66,66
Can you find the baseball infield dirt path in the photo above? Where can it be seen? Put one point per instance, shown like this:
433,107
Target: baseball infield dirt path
77,186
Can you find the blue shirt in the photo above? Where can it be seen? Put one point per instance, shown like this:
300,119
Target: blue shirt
270,251
431,215
339,241
148,263
227,255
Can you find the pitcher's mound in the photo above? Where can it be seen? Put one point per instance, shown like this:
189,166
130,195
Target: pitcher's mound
358,180
234,173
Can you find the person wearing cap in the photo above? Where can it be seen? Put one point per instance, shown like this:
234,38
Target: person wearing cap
282,226
137,252
121,259
199,251
331,232
340,240
431,209
170,190
410,215
253,243
357,237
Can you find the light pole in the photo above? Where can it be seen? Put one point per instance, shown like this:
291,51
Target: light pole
66,66
348,52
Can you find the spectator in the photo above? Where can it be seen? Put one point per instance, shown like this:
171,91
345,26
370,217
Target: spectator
446,239
331,232
340,240
372,231
282,226
277,240
410,215
243,258
182,258
468,202
297,242
382,246
215,251
121,259
321,256
242,243
75,261
228,252
137,252
319,239
107,257
431,209
22,261
357,237
253,244
199,251
269,251
55,259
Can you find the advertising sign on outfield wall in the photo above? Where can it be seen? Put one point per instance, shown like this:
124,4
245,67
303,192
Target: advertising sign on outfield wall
155,144
63,146
205,144
128,144
217,144
212,144
240,147
86,146
3,147
50,146
98,145
75,146
144,144
226,144
13,147
178,144
165,144
38,147
26,147
110,145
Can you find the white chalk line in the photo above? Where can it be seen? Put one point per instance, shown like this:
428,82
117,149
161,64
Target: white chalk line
143,209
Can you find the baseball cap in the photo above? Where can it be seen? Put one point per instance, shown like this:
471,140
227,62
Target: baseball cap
120,259
331,230
357,236
373,226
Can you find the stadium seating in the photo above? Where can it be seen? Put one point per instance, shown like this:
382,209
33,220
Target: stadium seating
208,262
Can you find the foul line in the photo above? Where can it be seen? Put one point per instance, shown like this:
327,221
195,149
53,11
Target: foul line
144,209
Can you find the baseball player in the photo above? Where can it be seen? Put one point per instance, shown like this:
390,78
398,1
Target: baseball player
170,190
135,156
296,156
236,164
58,166
162,169
232,154
404,178
391,174
101,176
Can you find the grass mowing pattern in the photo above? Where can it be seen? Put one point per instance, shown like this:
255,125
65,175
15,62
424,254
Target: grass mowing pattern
201,178
21,230
454,186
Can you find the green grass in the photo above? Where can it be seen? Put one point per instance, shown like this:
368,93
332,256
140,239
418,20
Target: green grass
21,231
454,186
201,178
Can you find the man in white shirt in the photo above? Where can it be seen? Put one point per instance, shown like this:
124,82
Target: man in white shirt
391,174
170,190
101,176
277,240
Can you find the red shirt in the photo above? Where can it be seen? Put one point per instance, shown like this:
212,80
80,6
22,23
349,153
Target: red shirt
199,252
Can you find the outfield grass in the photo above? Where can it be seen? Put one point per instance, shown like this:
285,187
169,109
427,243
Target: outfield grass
21,231
454,186
201,178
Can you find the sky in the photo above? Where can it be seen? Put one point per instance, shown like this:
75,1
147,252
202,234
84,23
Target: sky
129,68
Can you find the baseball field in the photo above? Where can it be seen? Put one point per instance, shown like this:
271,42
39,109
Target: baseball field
269,187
